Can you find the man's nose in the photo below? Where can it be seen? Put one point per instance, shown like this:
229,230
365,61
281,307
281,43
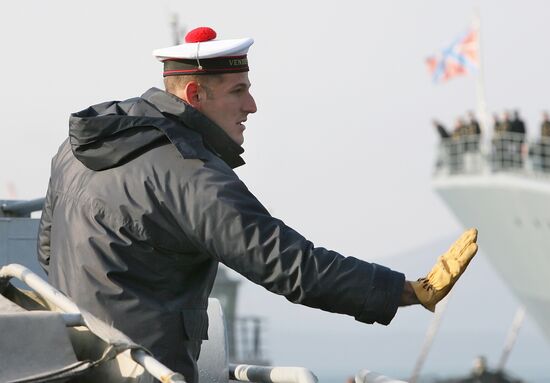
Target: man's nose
250,105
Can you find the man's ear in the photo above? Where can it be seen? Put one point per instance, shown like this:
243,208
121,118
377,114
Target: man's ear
190,93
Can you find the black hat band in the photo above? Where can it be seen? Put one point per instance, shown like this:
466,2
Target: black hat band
218,65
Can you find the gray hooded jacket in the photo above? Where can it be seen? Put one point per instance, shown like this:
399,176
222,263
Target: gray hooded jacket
142,205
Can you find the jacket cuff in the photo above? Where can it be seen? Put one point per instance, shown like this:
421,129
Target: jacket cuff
382,296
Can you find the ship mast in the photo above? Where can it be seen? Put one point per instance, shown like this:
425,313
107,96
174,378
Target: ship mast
480,80
177,31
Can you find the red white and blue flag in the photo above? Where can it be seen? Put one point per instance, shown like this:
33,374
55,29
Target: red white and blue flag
461,57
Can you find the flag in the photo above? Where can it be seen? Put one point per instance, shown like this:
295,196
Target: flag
459,58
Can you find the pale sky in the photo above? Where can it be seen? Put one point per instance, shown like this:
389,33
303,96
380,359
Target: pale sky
341,148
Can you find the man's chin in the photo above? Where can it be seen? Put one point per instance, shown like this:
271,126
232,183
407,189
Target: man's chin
238,137
239,140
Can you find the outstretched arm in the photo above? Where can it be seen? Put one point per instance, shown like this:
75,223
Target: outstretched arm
223,219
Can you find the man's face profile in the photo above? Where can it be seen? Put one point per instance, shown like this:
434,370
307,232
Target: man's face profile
228,102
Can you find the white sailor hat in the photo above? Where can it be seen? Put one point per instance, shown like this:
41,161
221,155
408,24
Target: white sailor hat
203,54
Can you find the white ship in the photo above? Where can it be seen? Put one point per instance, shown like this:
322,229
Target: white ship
502,187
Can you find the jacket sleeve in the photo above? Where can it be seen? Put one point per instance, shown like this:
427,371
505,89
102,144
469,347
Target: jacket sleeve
222,217
44,230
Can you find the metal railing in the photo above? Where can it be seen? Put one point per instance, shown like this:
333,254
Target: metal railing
265,374
504,152
73,317
367,376
249,331
20,208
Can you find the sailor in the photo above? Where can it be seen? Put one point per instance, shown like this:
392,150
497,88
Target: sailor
518,131
441,130
500,141
143,204
540,150
472,133
545,141
545,125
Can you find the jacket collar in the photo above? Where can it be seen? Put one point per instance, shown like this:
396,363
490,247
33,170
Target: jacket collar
213,136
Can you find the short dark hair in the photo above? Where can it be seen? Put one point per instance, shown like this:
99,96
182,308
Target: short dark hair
173,83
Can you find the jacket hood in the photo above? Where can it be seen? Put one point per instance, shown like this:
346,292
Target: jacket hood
112,133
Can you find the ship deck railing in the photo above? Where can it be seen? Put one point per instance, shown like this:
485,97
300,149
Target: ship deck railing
249,332
504,152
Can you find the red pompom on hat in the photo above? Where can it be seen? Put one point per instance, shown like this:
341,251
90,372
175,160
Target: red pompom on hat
200,34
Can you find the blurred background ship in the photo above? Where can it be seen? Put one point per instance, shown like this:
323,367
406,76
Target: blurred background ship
502,186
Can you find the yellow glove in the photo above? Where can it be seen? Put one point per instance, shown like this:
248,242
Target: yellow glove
449,267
